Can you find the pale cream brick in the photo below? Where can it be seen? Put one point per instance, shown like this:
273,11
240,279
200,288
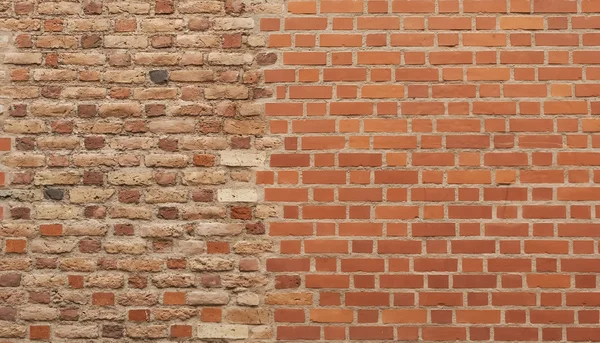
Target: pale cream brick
222,58
207,298
39,313
132,143
126,42
24,126
240,158
77,331
190,247
218,229
197,41
162,230
223,331
210,264
244,127
131,212
95,24
59,8
166,160
95,314
84,93
44,280
52,246
79,195
203,143
54,212
105,280
209,177
54,75
94,160
162,25
23,58
200,6
172,126
166,195
172,280
154,58
121,246
125,76
58,143
85,228
145,331
203,212
237,195
252,247
23,160
233,23
48,109
13,331
191,75
82,58
251,109
248,299
192,110
133,7
226,92
131,177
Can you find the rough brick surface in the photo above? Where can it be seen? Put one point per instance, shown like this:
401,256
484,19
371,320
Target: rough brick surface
262,170
130,135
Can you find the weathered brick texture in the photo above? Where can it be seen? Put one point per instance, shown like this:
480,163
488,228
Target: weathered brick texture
130,135
263,170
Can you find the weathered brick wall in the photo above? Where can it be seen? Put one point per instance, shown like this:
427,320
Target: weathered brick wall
130,131
260,170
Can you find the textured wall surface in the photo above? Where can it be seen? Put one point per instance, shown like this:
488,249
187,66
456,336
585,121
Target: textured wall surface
130,131
438,177
262,170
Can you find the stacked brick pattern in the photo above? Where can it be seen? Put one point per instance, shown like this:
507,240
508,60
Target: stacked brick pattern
130,131
249,170
438,175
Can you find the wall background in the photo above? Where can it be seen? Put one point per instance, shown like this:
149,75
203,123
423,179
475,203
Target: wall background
417,170
130,131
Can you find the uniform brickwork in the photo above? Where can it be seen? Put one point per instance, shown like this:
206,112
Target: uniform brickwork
269,170
438,177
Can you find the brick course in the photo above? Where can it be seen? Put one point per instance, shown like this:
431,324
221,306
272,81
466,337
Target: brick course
338,170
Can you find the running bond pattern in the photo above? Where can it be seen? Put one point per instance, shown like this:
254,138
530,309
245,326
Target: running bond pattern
438,176
130,131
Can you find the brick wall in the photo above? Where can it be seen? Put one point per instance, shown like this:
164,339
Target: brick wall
437,177
261,170
130,131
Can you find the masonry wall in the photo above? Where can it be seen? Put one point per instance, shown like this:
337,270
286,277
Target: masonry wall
130,131
266,170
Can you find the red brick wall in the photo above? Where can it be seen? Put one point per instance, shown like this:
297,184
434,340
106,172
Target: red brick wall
438,174
299,171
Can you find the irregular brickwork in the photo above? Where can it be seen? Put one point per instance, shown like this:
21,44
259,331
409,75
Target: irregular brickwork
130,135
438,179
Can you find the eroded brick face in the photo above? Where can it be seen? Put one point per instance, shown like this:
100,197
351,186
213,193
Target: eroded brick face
256,171
130,135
